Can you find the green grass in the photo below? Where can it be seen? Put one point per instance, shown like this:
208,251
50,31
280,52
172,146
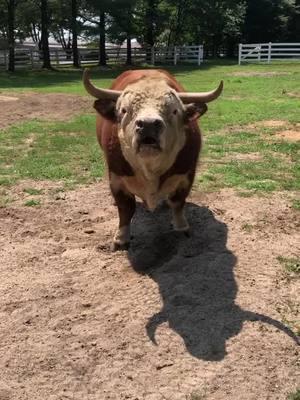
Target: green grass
294,396
247,228
292,265
33,191
68,151
59,151
296,204
32,203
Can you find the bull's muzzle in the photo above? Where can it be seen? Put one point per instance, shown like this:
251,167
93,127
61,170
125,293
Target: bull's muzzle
148,132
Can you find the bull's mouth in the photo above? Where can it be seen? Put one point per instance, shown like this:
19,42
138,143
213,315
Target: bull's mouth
148,144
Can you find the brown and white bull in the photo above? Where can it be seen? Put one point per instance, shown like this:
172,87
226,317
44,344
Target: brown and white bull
148,130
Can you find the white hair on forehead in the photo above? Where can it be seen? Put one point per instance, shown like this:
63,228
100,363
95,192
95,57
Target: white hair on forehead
149,91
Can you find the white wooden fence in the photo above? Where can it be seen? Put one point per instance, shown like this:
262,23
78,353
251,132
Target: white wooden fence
27,58
268,52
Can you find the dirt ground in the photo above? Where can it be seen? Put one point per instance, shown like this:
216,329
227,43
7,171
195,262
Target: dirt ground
25,106
175,318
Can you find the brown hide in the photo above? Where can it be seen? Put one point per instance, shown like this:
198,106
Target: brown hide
186,160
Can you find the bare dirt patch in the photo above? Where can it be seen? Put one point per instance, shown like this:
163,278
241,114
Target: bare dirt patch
290,135
173,316
8,98
268,124
293,94
234,97
50,107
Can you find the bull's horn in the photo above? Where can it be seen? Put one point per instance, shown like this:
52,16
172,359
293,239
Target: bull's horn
204,97
97,92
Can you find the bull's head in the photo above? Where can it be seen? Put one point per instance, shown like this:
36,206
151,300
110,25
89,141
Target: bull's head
150,114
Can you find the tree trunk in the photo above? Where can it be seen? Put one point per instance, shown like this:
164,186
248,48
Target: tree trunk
179,22
150,20
128,58
74,34
11,35
102,51
45,35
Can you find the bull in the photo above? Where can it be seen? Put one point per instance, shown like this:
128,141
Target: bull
147,127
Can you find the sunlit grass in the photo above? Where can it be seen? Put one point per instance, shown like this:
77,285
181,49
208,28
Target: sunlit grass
68,151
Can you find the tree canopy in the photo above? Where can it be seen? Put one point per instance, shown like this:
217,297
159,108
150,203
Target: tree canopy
218,24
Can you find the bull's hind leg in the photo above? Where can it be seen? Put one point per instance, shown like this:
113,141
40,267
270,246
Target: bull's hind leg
126,208
177,202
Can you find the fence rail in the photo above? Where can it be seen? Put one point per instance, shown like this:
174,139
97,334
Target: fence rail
268,52
33,58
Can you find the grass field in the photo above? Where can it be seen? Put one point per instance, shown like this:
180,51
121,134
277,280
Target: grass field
236,153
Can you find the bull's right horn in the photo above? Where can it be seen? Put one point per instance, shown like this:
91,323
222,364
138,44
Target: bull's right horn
98,92
202,97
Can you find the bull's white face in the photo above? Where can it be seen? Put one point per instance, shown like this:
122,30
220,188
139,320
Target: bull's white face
150,120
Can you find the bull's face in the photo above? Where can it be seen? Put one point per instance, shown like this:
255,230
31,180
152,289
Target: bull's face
151,118
150,114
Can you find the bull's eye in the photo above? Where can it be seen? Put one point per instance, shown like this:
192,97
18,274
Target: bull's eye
175,112
123,110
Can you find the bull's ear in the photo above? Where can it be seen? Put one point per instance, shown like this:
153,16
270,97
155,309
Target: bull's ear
194,111
106,108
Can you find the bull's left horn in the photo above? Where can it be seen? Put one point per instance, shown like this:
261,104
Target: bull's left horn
202,97
98,92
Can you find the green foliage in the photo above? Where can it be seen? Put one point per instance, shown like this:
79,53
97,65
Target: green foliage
294,396
291,264
33,191
32,203
60,151
218,24
296,204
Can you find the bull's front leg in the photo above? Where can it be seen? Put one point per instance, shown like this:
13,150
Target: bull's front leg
177,202
126,207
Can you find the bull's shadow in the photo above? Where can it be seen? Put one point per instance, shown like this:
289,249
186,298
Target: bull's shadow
195,277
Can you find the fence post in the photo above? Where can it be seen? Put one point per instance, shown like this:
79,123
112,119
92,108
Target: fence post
259,52
152,55
175,55
32,59
269,52
240,53
79,58
56,57
5,60
199,55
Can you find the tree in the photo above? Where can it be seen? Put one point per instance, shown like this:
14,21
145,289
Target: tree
45,34
267,20
293,24
28,21
96,12
123,24
74,8
102,36
11,34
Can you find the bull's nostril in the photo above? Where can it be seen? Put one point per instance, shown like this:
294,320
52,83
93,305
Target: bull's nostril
157,123
140,123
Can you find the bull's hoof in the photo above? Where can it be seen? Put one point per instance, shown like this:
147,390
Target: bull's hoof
117,246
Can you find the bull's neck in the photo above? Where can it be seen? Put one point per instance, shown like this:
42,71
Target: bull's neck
151,168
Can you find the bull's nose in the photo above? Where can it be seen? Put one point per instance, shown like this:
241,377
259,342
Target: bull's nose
149,125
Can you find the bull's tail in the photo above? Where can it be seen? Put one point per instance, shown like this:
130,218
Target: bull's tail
252,316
